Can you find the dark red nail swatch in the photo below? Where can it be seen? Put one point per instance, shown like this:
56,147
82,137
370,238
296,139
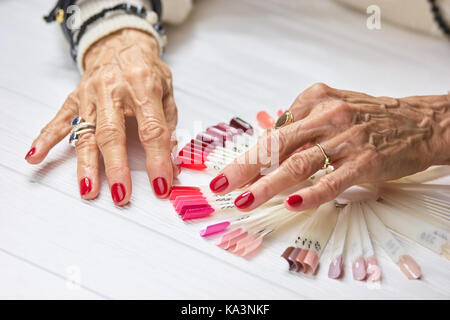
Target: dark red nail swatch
85,186
118,192
295,200
219,183
30,153
244,200
160,186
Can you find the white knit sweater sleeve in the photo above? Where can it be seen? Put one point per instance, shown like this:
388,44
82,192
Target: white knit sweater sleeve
174,11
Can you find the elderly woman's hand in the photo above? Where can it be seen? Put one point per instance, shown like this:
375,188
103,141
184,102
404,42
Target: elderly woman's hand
124,76
368,139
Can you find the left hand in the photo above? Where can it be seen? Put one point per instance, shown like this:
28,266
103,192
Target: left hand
368,139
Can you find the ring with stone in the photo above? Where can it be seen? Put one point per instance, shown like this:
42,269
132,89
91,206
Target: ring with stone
80,127
284,120
79,123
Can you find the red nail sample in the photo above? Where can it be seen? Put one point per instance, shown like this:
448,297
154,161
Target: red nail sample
30,153
85,186
219,183
244,200
160,186
118,192
295,200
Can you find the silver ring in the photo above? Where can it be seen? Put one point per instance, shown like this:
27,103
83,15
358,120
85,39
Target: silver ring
80,127
75,136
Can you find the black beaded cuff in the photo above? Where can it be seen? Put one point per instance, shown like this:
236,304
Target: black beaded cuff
60,14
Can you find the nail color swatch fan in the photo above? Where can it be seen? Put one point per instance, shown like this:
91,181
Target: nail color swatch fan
348,226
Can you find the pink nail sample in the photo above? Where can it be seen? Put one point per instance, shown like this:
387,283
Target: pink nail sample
373,270
197,213
227,236
335,269
232,242
214,228
359,269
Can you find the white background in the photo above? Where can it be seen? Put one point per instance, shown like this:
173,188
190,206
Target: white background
230,58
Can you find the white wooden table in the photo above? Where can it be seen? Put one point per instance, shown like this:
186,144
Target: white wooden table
230,58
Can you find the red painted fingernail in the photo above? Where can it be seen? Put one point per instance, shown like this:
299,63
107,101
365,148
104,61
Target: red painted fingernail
160,186
85,186
244,200
219,183
295,200
118,192
30,153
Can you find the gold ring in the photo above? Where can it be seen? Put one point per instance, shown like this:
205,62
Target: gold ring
327,162
284,120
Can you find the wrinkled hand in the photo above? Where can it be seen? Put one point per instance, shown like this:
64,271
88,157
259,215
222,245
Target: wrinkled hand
368,139
124,76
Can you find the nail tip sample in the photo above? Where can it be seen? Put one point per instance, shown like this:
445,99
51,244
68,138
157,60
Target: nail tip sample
359,269
335,268
409,267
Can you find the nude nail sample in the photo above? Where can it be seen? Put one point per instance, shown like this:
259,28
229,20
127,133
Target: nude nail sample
292,257
301,258
409,267
285,256
311,261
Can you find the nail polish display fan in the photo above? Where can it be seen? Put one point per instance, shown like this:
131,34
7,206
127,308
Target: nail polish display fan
348,226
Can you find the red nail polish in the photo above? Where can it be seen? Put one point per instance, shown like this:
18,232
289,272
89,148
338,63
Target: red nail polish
244,200
295,200
118,192
160,186
85,186
219,183
30,153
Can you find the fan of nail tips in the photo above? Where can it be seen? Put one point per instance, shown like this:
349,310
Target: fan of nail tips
350,227
217,146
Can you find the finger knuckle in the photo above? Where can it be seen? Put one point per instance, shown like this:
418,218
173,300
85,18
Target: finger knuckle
107,135
152,129
297,166
86,142
137,72
240,168
264,187
319,89
331,185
